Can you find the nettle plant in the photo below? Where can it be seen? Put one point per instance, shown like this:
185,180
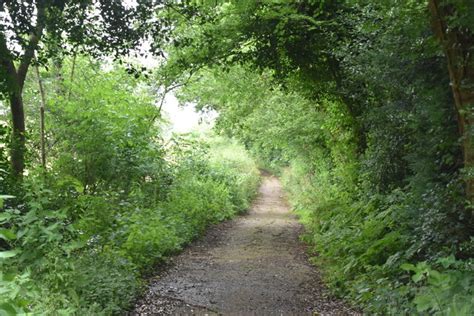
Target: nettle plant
13,282
445,288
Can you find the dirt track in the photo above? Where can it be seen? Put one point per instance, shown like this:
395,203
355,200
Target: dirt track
252,265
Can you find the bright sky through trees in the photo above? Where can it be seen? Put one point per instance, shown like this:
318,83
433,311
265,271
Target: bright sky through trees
184,118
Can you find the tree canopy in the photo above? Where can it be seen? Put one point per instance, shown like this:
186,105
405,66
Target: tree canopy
363,108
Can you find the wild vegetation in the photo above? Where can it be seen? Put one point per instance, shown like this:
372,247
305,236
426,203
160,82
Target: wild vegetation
363,107
115,196
352,104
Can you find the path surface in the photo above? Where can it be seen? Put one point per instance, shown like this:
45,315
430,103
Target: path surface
252,265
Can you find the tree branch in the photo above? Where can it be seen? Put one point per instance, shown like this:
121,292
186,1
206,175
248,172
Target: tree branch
168,89
6,60
32,43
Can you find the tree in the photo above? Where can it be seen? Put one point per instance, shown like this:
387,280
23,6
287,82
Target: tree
457,40
297,40
31,31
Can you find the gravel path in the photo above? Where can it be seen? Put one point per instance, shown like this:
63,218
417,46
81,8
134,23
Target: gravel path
252,265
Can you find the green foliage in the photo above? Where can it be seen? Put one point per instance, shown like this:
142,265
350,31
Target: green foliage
364,134
104,284
225,164
12,283
349,100
149,238
447,290
115,198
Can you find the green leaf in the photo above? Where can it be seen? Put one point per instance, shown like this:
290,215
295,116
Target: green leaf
408,267
439,279
8,254
418,277
7,234
447,262
425,302
4,197
8,309
5,217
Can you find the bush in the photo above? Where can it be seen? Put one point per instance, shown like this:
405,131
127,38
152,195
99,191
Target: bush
115,199
445,290
149,238
104,283
226,162
85,251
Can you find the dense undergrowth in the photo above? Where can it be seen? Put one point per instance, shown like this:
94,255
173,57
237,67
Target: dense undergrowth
358,118
388,227
364,108
115,199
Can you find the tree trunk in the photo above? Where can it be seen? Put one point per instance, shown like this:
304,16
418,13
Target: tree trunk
458,46
15,77
17,150
71,79
42,106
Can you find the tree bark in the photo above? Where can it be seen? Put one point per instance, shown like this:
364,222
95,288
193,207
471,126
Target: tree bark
18,145
71,79
15,78
42,106
458,46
